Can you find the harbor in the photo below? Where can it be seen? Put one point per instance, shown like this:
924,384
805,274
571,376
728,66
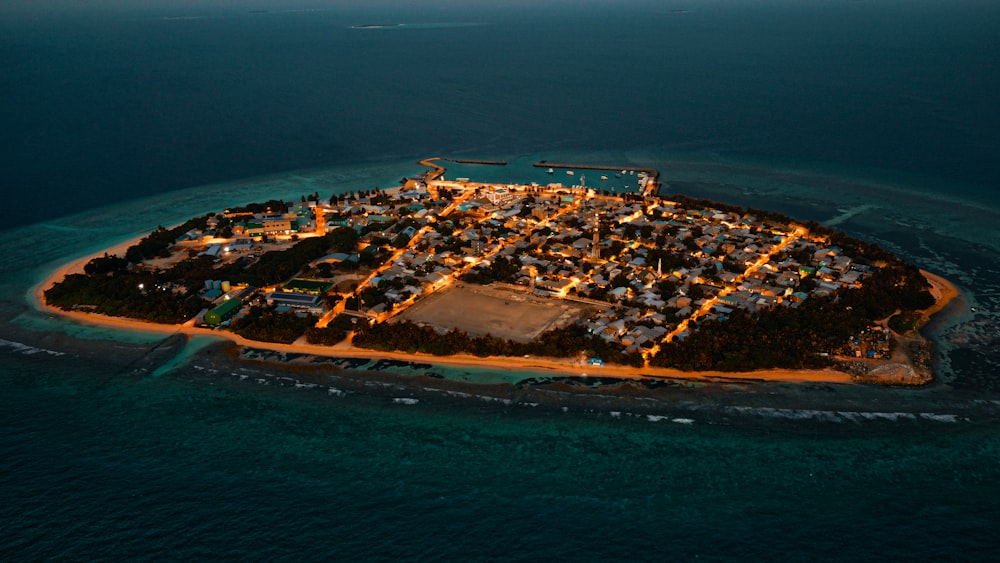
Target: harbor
617,179
651,187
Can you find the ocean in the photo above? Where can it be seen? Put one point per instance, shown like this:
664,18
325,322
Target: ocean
877,118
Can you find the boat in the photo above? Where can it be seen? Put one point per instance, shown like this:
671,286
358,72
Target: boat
604,177
551,170
570,172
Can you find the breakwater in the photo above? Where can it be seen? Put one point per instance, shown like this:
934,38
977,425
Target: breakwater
437,170
477,161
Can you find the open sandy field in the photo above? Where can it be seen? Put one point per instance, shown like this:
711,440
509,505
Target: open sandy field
500,312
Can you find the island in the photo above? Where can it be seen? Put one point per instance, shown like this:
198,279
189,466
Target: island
375,25
572,279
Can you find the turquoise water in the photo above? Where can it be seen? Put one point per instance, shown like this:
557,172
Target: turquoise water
879,119
140,455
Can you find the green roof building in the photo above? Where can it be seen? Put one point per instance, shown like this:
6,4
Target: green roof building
216,316
254,229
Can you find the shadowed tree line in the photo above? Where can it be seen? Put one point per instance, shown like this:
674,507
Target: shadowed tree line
117,286
124,295
266,324
278,266
157,243
785,337
566,342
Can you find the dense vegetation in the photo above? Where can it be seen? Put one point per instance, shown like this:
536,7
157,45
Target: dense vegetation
270,206
268,325
326,336
570,341
157,243
279,265
501,269
794,338
119,286
124,295
333,333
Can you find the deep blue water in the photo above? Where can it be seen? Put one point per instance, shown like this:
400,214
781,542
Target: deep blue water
105,105
879,118
154,468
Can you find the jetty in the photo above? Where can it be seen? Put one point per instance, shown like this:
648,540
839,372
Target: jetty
436,169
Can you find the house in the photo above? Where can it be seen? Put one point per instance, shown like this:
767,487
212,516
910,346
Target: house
239,245
212,250
798,297
618,292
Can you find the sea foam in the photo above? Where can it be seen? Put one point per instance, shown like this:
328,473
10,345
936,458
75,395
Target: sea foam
840,416
28,350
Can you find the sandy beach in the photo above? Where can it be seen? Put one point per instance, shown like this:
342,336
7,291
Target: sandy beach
942,290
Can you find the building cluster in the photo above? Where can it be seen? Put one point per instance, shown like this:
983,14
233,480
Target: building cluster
659,263
648,263
872,343
300,218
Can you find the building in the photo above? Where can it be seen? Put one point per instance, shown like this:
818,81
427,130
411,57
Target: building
270,225
223,312
311,303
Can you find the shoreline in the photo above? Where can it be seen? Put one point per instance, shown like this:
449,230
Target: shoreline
941,289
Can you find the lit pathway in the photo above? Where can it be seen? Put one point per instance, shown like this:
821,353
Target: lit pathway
468,189
707,306
389,262
450,278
